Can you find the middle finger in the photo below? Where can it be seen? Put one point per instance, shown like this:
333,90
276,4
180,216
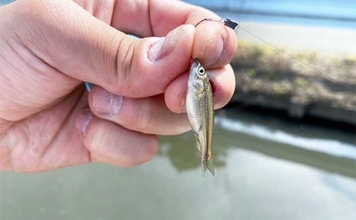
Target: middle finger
147,115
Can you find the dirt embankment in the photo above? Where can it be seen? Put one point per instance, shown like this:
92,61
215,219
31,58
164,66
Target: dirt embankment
301,83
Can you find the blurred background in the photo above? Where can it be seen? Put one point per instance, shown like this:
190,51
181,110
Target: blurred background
284,148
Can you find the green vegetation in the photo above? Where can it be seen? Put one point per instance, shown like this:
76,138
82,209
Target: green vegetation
302,82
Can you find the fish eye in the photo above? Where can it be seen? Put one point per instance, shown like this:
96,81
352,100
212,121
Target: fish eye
201,71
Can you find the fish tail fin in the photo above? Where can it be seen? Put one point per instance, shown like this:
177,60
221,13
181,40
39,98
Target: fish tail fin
207,165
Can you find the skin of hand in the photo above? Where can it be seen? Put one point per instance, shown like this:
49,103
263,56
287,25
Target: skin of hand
47,50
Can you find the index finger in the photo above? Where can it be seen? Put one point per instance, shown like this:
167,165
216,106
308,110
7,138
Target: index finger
156,17
214,43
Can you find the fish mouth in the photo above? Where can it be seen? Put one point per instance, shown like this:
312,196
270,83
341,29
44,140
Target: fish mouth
195,63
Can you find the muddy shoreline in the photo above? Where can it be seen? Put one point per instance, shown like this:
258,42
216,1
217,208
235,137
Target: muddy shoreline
266,78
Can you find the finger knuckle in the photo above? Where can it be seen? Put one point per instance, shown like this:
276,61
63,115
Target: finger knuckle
124,62
139,119
23,151
147,152
96,139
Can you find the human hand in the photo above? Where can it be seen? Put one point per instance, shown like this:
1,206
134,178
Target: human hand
47,50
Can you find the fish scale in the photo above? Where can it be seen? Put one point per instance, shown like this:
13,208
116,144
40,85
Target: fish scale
200,110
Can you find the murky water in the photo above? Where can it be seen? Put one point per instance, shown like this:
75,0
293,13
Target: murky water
264,170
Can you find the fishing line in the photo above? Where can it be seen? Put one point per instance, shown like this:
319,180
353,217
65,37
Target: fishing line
302,62
232,24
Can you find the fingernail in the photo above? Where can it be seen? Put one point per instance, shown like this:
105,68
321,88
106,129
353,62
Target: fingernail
83,120
164,46
107,103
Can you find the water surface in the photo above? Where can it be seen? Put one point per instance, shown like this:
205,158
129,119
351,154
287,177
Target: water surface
265,169
255,179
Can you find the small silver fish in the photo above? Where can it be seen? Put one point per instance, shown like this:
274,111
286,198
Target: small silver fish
200,109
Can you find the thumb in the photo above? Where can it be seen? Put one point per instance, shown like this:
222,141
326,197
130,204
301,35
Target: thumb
79,45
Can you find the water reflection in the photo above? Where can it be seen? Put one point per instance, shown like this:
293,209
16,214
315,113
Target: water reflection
329,150
255,179
184,154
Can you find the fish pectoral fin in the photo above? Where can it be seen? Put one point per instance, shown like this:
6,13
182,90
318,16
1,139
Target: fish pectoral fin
196,127
182,105
197,141
207,165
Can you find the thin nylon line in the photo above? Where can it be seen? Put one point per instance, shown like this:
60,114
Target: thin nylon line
306,64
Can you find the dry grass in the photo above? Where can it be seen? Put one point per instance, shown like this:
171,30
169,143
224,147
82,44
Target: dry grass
264,70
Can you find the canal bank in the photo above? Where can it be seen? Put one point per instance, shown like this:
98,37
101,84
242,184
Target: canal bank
315,79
